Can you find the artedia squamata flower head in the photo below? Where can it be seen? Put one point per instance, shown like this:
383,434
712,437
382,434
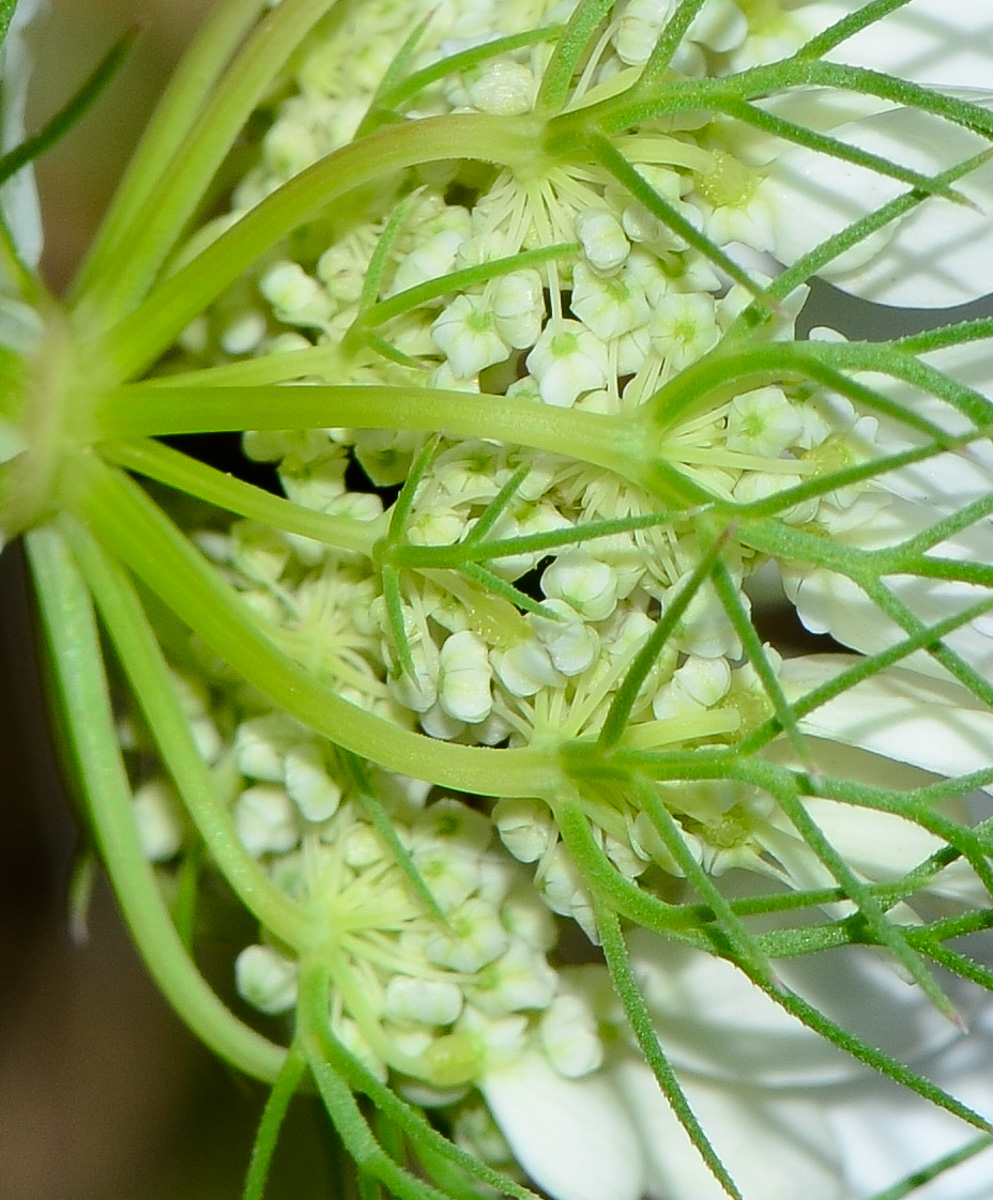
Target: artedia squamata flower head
556,854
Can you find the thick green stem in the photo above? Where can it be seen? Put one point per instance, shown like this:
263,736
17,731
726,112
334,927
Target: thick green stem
177,470
132,528
144,409
170,124
150,329
187,155
76,660
142,660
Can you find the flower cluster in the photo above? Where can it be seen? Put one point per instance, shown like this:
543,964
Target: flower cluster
573,286
483,686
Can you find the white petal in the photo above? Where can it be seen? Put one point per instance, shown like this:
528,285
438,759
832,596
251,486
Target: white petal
886,1133
773,1150
714,1023
574,1137
828,602
932,42
935,256
934,724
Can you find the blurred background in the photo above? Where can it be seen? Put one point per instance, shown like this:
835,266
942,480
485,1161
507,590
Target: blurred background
103,1093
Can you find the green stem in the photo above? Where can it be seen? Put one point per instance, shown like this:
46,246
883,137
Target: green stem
139,653
176,470
150,329
209,112
622,976
174,117
74,644
283,1091
145,409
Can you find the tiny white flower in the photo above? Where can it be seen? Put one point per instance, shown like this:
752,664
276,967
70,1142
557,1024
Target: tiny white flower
431,1001
610,307
572,645
707,680
158,817
308,784
361,846
464,678
499,1040
265,820
289,146
705,628
466,334
260,744
438,723
351,1037
567,360
602,238
418,690
526,668
527,919
762,422
683,327
504,88
759,485
474,937
637,29
526,827
568,1036
586,584
564,892
518,305
520,979
265,979
296,298
451,873
430,259
244,334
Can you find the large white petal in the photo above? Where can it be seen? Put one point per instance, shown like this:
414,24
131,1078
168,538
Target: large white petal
932,42
934,724
935,256
773,1150
829,602
887,1133
574,1137
714,1023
